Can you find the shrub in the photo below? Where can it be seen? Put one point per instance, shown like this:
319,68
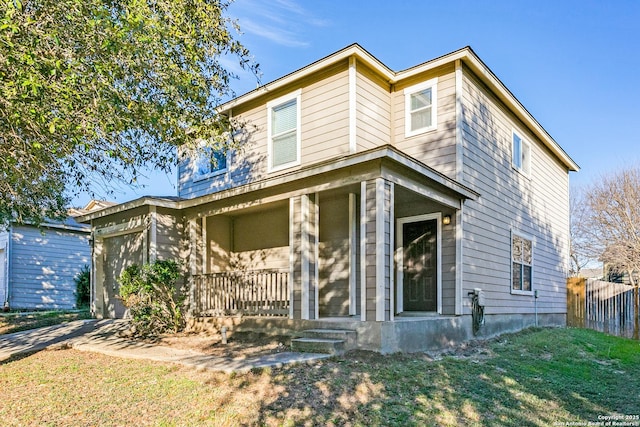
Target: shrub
83,281
152,297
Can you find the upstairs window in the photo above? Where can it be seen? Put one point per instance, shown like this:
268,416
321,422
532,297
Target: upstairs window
209,162
420,107
522,263
284,131
521,154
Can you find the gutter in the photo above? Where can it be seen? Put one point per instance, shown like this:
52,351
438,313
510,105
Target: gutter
379,153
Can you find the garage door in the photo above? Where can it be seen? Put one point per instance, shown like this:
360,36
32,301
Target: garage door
121,252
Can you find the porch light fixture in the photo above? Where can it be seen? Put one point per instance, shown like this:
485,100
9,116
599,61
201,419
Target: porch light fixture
446,220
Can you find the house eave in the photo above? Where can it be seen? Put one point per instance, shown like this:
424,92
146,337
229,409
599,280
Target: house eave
487,76
55,225
142,201
352,50
383,153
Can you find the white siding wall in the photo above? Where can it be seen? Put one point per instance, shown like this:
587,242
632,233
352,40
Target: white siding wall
43,266
510,201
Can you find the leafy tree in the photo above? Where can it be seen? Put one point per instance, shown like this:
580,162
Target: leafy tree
97,90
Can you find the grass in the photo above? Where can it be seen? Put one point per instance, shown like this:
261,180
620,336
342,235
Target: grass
533,378
16,321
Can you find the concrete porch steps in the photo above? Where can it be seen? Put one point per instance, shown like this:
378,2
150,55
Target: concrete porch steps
329,341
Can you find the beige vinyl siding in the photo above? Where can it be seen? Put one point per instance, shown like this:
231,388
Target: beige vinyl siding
387,228
448,273
261,240
247,164
120,252
370,251
334,256
373,110
509,201
43,265
219,240
121,217
378,249
296,260
436,148
169,234
324,125
325,118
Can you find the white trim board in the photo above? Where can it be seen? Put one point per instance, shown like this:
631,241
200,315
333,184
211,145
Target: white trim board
400,254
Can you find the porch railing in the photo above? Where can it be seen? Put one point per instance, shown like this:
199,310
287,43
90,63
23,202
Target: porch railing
252,293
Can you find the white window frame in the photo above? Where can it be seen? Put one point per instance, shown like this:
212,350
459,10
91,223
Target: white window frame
270,106
524,164
433,84
200,152
533,245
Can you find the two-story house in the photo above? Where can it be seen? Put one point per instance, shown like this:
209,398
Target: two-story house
367,200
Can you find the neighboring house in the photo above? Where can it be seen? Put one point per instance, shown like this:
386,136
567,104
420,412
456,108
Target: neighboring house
38,264
367,200
592,273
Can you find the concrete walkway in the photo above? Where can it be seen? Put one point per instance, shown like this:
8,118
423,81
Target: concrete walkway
102,337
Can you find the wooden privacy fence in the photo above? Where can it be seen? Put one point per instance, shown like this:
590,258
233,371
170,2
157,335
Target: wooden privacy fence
604,306
251,293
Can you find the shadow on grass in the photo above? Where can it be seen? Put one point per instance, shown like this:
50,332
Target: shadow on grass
535,378
17,357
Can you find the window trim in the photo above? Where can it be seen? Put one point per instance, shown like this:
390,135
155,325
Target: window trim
433,84
525,167
533,245
270,106
211,174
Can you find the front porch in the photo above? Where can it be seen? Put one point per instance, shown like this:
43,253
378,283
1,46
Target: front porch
373,247
404,334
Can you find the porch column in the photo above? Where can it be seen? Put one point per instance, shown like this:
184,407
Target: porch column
376,221
303,248
194,244
97,276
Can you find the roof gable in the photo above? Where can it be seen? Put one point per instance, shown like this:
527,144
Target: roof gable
466,55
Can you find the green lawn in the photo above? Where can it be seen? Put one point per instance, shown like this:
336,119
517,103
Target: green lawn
534,378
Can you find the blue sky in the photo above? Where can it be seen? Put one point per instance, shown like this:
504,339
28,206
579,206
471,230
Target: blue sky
575,65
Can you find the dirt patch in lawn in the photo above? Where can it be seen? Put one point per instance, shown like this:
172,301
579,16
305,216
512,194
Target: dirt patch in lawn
240,344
